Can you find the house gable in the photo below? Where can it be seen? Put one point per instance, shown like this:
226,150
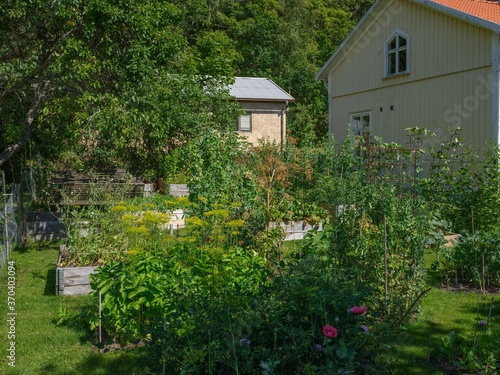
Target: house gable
447,82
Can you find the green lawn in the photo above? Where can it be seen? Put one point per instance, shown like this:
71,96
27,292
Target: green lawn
43,347
417,349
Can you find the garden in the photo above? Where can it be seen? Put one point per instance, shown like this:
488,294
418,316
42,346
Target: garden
378,290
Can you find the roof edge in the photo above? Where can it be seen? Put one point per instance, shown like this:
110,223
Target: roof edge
346,40
290,97
321,76
467,17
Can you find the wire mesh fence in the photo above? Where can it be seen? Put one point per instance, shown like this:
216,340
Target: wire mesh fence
8,218
393,164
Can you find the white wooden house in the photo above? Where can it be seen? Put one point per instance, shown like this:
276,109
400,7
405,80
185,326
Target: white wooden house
265,105
418,63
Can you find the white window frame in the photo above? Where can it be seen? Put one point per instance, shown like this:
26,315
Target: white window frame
239,123
360,132
397,51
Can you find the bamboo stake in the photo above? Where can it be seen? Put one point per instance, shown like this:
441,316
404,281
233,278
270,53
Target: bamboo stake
100,318
386,272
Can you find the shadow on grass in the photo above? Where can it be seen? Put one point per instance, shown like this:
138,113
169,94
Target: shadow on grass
50,283
112,363
416,350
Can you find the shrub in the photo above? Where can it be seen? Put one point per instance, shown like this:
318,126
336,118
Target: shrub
475,259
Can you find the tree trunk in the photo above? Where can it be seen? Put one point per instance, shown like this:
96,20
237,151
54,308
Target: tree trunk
39,95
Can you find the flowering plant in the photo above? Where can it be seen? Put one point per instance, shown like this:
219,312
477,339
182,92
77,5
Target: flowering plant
329,331
358,310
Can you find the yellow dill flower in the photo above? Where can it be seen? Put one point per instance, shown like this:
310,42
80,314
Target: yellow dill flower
152,217
133,208
135,251
235,223
236,205
220,214
118,208
162,217
186,239
137,230
195,221
129,218
203,199
217,238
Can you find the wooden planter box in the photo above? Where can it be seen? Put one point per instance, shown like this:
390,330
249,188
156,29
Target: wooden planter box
296,230
73,281
178,190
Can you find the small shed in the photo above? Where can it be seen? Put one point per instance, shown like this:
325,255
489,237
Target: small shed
265,105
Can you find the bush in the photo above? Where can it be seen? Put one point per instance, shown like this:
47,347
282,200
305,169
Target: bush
474,260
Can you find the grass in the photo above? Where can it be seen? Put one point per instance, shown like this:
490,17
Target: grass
44,347
417,349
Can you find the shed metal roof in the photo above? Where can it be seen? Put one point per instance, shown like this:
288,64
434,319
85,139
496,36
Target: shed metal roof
259,89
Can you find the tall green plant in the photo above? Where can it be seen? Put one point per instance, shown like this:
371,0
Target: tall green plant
464,184
214,168
380,242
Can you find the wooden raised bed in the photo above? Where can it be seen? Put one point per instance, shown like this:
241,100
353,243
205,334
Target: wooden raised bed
296,230
72,281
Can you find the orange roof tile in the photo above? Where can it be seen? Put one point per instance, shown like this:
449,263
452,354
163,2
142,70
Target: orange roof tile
487,10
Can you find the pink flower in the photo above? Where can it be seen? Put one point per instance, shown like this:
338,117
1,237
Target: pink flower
358,310
330,331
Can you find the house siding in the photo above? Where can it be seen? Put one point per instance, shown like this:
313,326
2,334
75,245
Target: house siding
450,64
461,99
268,121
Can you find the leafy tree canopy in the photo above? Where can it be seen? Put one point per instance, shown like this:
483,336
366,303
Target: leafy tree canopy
104,83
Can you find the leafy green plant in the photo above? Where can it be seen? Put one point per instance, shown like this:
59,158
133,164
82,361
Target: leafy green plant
475,259
463,184
478,353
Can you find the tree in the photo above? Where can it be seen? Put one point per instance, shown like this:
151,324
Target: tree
95,79
93,82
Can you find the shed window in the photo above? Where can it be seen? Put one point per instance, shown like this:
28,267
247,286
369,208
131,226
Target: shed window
244,123
397,54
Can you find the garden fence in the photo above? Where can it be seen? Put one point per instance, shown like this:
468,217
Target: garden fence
8,213
396,165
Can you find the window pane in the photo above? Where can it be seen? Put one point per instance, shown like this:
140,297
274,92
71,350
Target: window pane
402,61
402,41
392,44
356,122
366,122
392,62
245,123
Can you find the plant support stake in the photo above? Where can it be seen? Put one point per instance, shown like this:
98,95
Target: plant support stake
385,264
100,317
